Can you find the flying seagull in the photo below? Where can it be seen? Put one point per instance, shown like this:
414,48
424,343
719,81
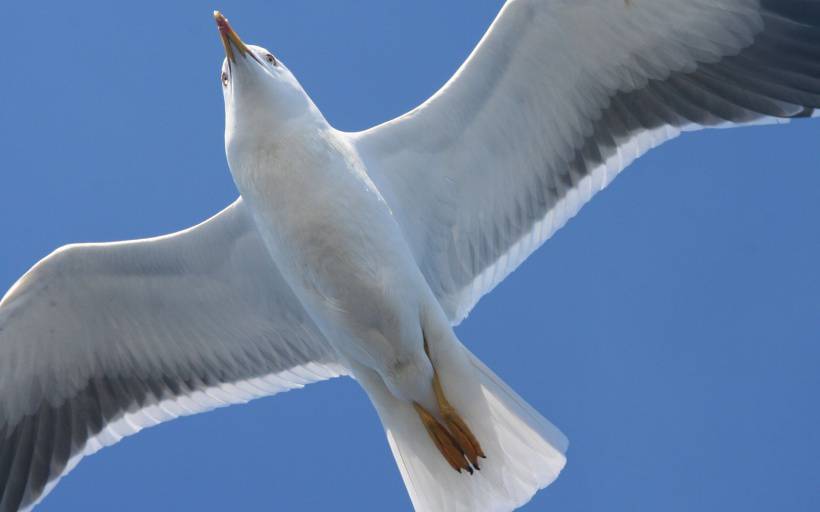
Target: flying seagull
355,253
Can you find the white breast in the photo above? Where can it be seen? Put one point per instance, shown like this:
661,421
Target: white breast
333,236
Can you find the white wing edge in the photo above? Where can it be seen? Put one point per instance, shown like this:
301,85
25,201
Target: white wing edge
568,206
202,400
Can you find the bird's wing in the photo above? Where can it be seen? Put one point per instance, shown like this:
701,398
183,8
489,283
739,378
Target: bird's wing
558,97
99,341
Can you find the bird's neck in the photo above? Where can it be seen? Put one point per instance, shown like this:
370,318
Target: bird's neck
274,161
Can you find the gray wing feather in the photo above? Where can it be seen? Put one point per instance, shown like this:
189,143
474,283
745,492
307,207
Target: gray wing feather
557,99
99,341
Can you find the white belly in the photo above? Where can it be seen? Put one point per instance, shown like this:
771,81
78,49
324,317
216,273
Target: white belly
336,242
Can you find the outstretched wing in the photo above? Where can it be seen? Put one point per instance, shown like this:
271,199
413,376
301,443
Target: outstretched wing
560,96
99,341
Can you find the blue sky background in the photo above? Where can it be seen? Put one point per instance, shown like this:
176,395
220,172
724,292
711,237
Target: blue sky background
671,330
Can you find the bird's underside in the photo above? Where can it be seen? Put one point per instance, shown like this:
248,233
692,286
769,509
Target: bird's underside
98,341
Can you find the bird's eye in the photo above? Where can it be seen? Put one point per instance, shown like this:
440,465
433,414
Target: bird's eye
224,79
270,58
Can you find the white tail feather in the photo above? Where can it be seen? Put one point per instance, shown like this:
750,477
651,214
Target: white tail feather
525,452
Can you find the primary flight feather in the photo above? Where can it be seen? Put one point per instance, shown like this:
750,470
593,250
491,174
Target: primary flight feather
355,253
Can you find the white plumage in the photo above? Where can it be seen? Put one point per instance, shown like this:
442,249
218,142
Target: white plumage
347,251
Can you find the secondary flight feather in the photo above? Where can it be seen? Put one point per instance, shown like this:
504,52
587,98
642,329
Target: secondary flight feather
355,253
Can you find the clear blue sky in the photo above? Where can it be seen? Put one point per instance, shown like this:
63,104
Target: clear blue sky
671,330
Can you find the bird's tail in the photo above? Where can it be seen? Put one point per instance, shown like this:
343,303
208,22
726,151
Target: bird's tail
525,452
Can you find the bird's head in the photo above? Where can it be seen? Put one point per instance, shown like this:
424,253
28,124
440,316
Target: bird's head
261,95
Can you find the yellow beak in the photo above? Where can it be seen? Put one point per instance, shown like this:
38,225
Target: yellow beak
230,39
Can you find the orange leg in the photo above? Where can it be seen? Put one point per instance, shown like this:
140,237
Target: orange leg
456,442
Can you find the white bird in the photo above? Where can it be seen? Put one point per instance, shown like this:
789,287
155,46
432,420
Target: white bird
356,253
